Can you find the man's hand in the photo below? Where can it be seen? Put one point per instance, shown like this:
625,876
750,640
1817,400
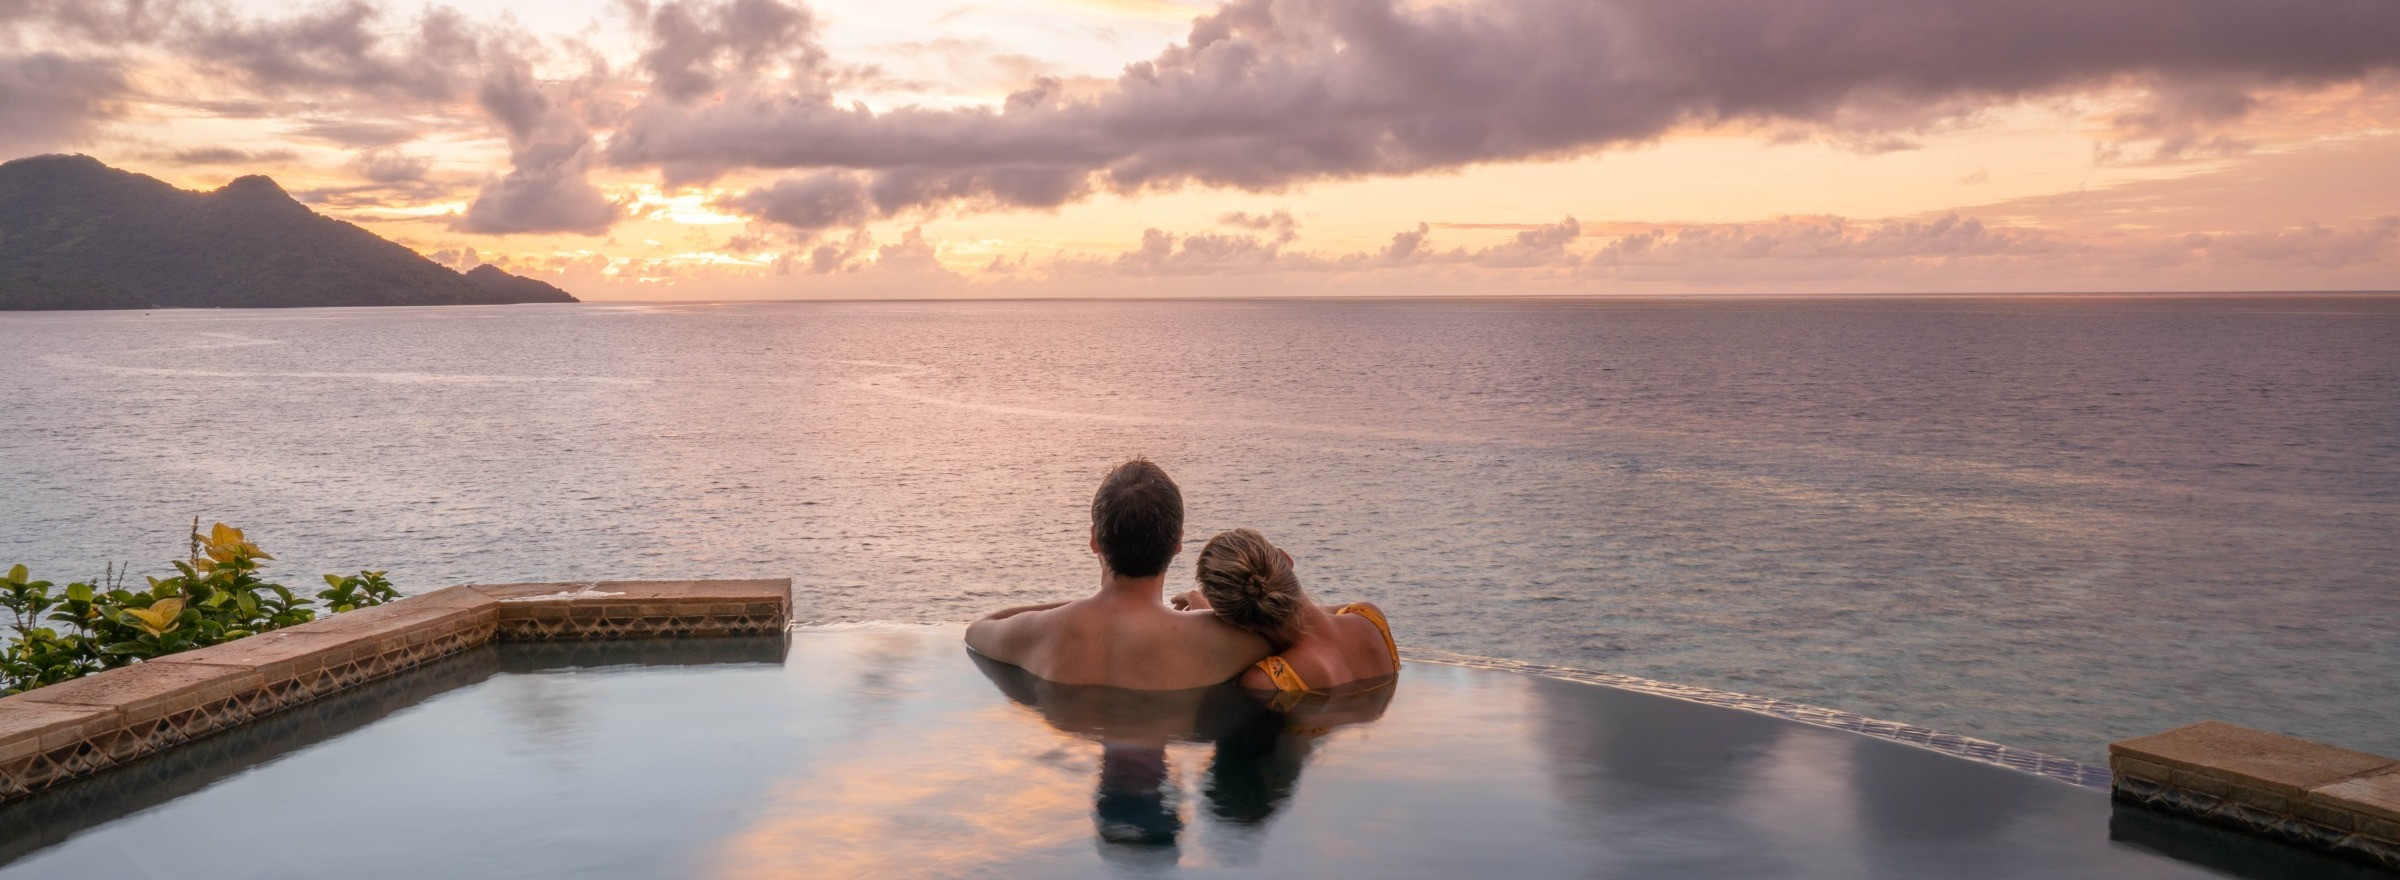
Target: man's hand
1189,600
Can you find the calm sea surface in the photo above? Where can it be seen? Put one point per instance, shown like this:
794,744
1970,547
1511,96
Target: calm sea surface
2049,522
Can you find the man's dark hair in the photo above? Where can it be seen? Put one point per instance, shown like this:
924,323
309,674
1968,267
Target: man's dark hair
1138,517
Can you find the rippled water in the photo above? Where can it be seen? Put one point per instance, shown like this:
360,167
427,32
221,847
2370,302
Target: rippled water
2050,523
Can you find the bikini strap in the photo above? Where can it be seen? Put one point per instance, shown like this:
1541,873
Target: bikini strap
1285,677
1374,615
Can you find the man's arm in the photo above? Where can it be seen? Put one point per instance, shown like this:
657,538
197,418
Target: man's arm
1007,634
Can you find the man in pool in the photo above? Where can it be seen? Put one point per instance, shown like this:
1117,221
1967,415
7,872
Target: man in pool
1124,635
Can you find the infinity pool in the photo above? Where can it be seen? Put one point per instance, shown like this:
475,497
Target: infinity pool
894,753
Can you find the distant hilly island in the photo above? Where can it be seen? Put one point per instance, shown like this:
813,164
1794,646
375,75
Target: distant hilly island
78,234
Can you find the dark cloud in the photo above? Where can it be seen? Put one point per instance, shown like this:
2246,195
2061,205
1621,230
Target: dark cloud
826,259
818,201
694,46
547,187
348,57
2312,245
832,199
1826,238
343,47
460,259
97,21
1201,253
1260,95
1945,249
1279,222
911,254
385,166
1406,246
357,132
1205,253
1266,94
48,101
1539,246
225,156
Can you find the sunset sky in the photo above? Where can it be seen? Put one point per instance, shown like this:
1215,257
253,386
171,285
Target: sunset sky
840,148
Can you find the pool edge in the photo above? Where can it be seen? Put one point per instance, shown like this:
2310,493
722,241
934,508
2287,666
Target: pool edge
2067,770
55,735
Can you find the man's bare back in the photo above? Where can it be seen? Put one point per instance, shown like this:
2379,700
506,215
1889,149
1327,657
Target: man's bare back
1124,635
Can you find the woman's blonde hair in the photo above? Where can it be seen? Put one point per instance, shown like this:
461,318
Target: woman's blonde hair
1249,584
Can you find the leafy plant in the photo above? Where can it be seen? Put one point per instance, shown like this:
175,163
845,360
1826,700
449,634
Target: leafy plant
39,655
357,591
215,596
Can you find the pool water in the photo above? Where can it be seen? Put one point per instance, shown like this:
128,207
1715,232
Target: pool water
893,752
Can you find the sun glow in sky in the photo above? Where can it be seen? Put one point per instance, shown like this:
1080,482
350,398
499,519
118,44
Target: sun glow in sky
838,148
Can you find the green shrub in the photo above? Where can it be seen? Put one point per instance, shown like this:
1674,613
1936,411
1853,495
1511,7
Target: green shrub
215,596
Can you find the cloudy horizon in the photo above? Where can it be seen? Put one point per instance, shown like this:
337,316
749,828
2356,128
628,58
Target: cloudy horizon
708,149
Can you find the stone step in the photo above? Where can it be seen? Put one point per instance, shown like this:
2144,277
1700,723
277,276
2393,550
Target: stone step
2306,793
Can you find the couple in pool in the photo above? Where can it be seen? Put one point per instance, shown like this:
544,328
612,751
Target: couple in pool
1248,619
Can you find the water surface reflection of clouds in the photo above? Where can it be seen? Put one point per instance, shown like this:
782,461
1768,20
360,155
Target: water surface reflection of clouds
885,752
933,771
1043,782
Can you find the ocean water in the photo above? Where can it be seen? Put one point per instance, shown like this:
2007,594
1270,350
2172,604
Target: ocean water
2048,522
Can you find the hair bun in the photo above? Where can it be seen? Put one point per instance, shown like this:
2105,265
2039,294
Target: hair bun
1250,584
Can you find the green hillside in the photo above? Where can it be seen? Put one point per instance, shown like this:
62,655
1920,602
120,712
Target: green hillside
78,234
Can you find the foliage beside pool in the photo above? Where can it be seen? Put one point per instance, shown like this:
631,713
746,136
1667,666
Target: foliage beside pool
215,596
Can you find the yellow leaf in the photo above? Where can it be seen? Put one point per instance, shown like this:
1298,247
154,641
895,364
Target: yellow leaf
158,619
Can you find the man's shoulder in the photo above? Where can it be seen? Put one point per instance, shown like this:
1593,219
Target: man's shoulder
1203,632
1206,624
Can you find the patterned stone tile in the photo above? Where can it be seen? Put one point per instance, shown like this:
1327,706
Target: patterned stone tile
147,691
74,729
28,726
273,656
640,609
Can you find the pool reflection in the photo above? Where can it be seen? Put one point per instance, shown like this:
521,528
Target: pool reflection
886,753
1257,749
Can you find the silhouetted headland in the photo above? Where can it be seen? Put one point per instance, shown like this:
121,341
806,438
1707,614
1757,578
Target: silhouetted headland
78,234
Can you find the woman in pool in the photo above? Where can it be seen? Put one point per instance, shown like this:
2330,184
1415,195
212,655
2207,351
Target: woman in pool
1249,584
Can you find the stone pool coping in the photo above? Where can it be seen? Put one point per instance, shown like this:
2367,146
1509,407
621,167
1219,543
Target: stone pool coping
2311,794
66,731
2067,770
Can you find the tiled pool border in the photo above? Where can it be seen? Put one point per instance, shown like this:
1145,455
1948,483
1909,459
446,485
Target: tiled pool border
66,731
2309,794
2065,770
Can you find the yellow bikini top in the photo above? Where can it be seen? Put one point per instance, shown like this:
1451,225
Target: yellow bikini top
1288,680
